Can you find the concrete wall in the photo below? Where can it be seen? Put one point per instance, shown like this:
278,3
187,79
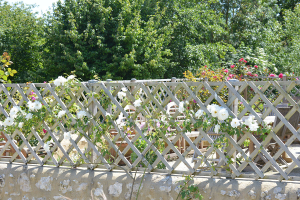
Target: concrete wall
41,183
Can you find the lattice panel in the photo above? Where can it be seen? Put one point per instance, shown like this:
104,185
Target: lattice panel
120,134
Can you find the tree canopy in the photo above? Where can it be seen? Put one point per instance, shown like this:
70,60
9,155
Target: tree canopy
147,39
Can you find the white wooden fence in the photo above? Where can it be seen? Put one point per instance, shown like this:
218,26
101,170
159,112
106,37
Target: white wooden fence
259,98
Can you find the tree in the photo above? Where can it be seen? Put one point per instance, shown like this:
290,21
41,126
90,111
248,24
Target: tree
105,38
21,36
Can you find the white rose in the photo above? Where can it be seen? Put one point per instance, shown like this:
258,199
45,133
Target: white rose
70,77
61,113
137,103
253,127
235,123
14,110
60,81
181,108
37,105
29,116
214,110
81,114
217,128
67,136
223,114
8,121
31,106
46,147
199,113
21,124
249,121
121,95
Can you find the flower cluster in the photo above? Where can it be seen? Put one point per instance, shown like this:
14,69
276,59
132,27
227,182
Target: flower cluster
60,81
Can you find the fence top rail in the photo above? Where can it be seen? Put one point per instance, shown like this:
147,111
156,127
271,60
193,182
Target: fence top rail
155,82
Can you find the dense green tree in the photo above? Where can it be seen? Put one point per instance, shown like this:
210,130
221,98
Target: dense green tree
21,35
106,38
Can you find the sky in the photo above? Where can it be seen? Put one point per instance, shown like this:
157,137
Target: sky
42,5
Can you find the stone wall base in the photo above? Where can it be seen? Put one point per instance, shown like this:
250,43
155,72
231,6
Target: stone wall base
40,183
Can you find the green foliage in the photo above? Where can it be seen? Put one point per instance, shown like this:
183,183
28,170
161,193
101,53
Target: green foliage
5,71
21,35
150,38
189,191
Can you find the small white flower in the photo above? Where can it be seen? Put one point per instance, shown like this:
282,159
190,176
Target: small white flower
199,113
60,81
1,123
217,128
121,95
37,105
137,103
31,106
186,102
253,127
235,123
61,113
267,122
223,114
21,124
46,147
124,89
8,121
81,114
249,121
67,136
29,116
14,110
163,118
70,77
214,110
181,108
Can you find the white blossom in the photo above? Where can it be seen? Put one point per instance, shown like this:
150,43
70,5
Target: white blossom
235,123
181,108
1,123
81,114
121,95
249,121
47,147
214,110
31,106
124,89
14,111
137,103
253,127
223,114
8,121
199,113
60,81
67,136
28,116
217,128
37,105
61,113
71,77
21,124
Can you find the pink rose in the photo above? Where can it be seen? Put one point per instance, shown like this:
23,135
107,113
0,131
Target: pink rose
226,70
280,75
244,61
256,66
241,60
230,75
272,75
256,75
232,66
297,79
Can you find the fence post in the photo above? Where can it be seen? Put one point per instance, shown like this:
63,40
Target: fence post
109,108
93,112
234,109
284,78
133,80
